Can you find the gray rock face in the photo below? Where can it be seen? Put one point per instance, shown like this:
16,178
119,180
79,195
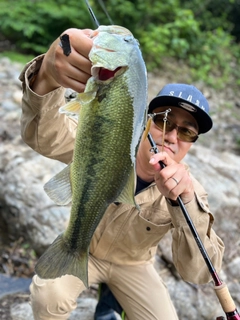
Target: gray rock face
26,211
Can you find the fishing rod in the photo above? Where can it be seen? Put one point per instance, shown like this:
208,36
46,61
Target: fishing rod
95,20
220,288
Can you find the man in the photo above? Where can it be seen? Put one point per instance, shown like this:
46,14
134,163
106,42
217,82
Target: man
124,244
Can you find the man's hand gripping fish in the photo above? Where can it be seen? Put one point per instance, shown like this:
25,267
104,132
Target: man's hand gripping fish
112,113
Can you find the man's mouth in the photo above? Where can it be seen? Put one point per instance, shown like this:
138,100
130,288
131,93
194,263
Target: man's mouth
165,148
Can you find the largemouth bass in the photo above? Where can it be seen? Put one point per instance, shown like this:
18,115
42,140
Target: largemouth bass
112,113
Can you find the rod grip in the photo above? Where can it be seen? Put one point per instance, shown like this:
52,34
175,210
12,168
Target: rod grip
225,298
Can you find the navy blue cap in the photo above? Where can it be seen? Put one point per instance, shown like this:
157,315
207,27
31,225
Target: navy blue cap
187,97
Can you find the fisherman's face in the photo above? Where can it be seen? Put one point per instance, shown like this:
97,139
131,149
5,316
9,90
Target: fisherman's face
176,148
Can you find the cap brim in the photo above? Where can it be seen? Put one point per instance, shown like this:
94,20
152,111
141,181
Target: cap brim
204,121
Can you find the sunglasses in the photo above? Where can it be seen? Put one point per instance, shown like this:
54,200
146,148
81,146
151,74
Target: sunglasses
183,133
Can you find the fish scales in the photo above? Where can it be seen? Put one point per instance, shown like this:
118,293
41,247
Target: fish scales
104,179
111,120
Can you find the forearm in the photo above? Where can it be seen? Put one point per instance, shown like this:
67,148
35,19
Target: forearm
43,82
42,127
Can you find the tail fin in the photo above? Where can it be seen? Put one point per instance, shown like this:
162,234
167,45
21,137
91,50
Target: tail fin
59,260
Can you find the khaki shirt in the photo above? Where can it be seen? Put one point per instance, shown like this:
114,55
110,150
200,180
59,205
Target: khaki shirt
124,235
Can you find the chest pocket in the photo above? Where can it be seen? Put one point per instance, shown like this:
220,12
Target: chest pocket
146,228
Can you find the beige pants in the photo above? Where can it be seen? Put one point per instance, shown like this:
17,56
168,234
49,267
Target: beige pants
138,289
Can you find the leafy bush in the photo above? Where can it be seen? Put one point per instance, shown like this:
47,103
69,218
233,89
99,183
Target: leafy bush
33,25
200,33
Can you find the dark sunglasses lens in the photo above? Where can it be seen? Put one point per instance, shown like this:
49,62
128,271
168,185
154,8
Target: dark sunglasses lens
187,135
158,120
184,134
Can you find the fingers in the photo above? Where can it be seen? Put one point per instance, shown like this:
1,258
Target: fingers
74,70
80,40
163,157
70,70
173,180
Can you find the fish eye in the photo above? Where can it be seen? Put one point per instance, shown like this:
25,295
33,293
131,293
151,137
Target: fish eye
127,39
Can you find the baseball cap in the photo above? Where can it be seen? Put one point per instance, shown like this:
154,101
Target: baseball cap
187,97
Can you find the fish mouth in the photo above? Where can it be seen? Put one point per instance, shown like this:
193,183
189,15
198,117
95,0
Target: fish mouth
105,74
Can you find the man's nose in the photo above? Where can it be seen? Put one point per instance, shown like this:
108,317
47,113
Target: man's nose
172,136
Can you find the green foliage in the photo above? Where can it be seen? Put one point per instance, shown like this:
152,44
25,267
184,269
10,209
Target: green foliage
33,25
172,39
213,63
203,34
214,13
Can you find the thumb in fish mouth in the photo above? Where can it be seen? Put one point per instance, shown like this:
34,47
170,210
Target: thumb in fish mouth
92,33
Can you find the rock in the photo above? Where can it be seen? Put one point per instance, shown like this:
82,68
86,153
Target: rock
10,285
9,105
85,310
26,207
221,174
17,97
21,311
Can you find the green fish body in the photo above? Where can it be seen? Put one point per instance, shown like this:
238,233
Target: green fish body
111,119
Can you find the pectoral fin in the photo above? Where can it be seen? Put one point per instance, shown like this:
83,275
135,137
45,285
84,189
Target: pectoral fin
59,188
87,97
71,108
